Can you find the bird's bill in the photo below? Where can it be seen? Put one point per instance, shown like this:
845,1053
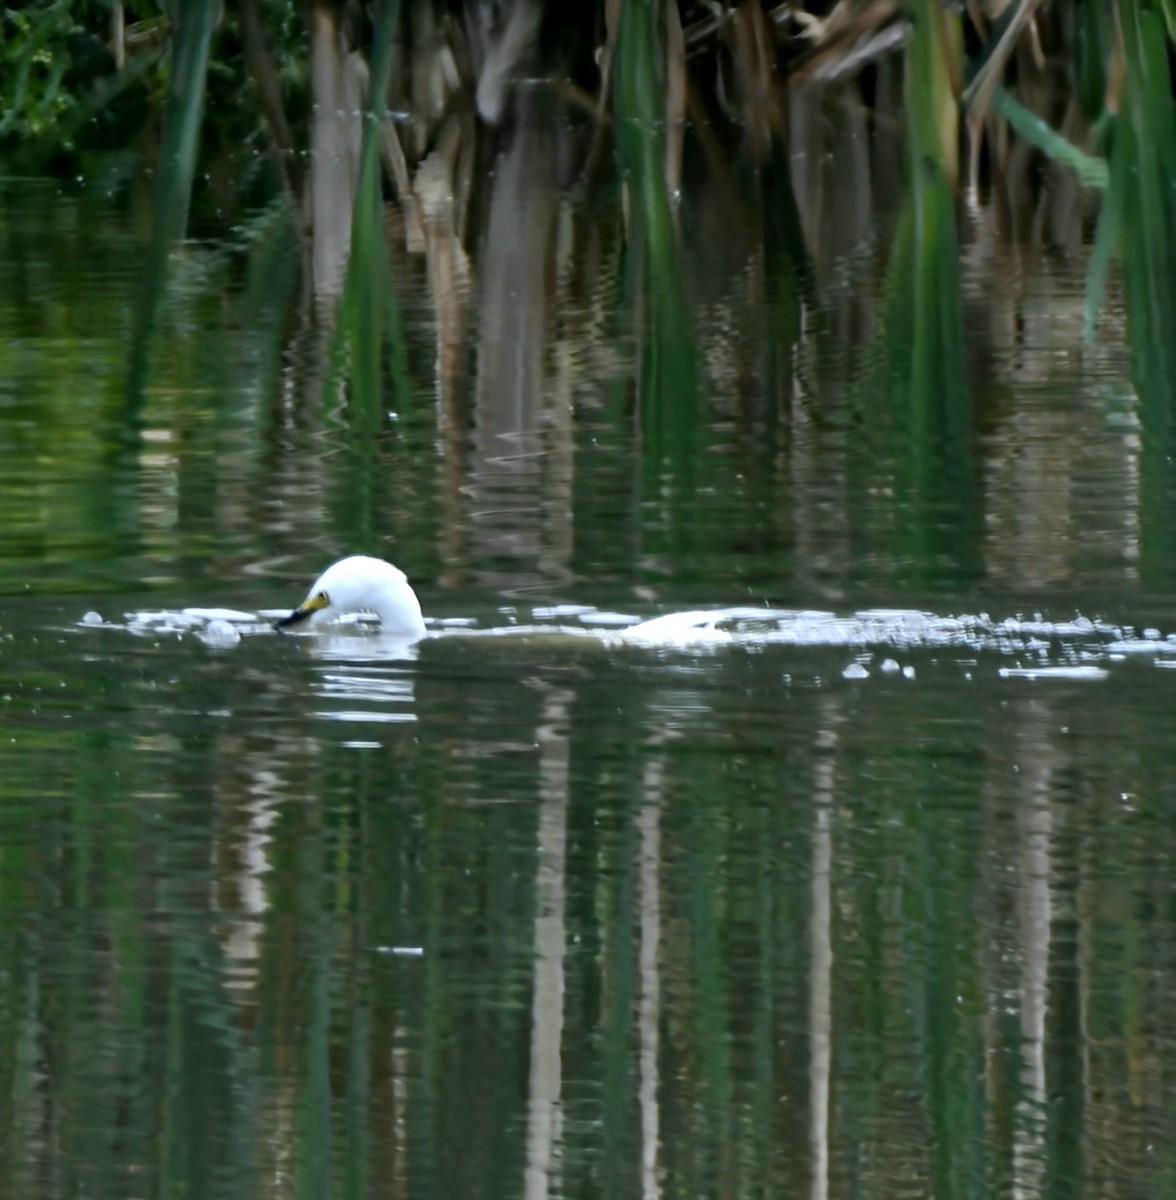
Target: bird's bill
306,609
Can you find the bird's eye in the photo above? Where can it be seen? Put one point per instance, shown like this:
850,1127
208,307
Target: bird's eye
323,599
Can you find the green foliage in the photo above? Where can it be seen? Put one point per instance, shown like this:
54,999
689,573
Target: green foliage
34,58
68,109
61,91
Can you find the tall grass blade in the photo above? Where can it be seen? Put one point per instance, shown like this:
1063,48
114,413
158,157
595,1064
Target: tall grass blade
668,383
183,112
1169,9
370,321
1107,236
1143,171
1094,38
922,351
1090,170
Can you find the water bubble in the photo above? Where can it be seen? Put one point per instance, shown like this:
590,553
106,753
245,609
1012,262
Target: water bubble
855,671
92,618
220,633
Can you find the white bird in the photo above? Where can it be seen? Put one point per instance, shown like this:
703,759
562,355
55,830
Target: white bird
362,584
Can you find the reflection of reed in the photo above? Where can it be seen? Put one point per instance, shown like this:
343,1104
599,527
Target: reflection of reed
1035,916
334,150
544,1109
515,296
820,992
649,1011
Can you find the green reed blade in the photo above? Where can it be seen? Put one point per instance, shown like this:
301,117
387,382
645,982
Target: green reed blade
1090,170
668,385
1169,10
921,351
182,117
1143,171
1094,39
1106,238
370,311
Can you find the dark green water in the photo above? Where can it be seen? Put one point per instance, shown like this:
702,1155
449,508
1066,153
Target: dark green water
534,914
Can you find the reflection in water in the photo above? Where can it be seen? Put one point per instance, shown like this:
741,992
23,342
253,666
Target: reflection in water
821,968
544,1124
649,1011
773,946
509,511
1035,913
692,907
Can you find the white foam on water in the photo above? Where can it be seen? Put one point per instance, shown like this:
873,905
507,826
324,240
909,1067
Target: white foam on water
1035,643
1062,672
217,614
367,718
611,619
555,611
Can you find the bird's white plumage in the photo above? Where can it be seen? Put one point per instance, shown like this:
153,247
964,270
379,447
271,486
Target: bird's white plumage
361,584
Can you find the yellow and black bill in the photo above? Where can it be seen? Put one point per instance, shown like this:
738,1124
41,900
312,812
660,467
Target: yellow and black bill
306,609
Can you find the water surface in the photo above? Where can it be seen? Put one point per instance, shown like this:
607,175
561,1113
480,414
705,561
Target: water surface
863,885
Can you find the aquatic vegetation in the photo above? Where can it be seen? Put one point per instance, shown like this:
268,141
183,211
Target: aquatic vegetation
922,351
350,152
665,62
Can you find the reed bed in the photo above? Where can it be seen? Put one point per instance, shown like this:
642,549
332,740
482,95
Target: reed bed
370,123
